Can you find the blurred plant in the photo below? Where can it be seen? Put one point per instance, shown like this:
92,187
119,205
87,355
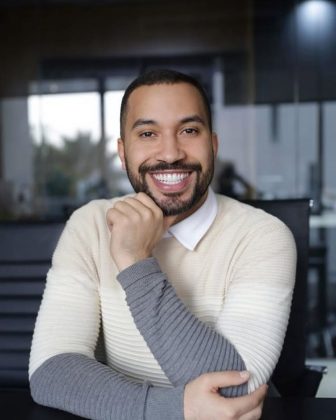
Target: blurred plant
59,168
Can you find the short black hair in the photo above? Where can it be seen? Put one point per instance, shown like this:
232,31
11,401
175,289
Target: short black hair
162,77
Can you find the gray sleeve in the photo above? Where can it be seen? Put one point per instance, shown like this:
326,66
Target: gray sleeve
77,384
183,345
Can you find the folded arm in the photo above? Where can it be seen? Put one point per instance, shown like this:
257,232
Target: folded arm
250,328
184,346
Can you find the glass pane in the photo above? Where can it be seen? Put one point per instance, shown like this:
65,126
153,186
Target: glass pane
65,131
59,116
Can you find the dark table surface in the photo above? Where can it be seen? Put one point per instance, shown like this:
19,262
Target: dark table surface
18,405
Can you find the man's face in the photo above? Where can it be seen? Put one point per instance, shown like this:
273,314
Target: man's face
168,149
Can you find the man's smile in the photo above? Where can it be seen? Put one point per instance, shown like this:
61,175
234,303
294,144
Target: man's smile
172,181
170,178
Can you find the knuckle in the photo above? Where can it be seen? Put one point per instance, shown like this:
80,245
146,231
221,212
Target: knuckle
130,200
158,213
117,206
147,214
141,196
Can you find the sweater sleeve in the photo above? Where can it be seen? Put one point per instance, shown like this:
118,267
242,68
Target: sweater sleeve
183,345
80,385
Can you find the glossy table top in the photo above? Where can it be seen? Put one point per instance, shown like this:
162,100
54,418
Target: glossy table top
18,405
299,409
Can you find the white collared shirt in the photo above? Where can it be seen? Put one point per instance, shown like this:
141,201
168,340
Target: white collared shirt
192,229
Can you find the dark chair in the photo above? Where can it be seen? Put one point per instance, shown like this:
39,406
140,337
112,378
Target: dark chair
25,255
320,326
291,376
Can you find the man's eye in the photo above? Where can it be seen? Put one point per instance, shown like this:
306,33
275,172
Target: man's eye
147,134
190,131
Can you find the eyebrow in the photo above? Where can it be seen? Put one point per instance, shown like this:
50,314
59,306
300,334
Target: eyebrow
142,121
192,118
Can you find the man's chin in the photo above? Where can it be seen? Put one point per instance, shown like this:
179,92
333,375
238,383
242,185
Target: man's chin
172,204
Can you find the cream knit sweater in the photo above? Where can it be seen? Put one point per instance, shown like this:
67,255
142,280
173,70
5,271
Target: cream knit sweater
238,280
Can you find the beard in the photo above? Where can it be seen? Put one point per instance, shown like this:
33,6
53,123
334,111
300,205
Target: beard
173,204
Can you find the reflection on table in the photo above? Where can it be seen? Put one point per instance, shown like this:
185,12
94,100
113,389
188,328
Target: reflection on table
18,405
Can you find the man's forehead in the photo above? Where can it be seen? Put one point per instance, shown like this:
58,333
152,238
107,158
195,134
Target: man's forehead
163,85
181,94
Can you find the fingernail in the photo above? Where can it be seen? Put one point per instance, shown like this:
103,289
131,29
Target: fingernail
244,374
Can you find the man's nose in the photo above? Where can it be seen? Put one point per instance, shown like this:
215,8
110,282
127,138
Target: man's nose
170,150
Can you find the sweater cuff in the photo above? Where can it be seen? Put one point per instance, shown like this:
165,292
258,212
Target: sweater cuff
165,403
137,271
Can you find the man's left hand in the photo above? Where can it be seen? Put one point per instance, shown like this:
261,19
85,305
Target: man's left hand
136,225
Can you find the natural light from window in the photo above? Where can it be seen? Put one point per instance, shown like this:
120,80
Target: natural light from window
63,115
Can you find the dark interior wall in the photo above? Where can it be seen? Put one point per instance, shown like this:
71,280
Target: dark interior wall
266,59
32,34
291,65
274,36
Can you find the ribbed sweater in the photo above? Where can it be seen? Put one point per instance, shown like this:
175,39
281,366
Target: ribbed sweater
166,319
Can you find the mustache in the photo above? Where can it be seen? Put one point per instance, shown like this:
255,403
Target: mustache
163,166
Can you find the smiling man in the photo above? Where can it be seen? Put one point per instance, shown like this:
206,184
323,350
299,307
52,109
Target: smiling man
190,290
174,160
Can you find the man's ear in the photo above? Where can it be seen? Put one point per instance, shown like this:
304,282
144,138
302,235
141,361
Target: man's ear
121,152
214,140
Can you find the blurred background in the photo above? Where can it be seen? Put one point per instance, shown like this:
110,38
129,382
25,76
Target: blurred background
269,68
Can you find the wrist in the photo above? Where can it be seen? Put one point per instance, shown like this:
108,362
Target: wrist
125,261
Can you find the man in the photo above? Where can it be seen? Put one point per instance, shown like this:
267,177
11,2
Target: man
177,344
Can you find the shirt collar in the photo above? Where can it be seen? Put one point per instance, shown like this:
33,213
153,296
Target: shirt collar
191,230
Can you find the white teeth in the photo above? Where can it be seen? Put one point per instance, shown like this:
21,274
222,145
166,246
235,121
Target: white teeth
171,178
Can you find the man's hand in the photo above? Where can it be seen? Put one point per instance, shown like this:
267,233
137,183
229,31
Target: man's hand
203,402
136,224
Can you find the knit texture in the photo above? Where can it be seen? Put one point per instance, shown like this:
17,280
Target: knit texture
237,282
80,385
184,346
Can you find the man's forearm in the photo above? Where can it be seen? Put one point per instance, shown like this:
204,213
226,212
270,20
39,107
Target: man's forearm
183,345
80,385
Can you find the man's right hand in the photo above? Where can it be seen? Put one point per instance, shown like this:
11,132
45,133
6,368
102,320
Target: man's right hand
203,402
136,224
